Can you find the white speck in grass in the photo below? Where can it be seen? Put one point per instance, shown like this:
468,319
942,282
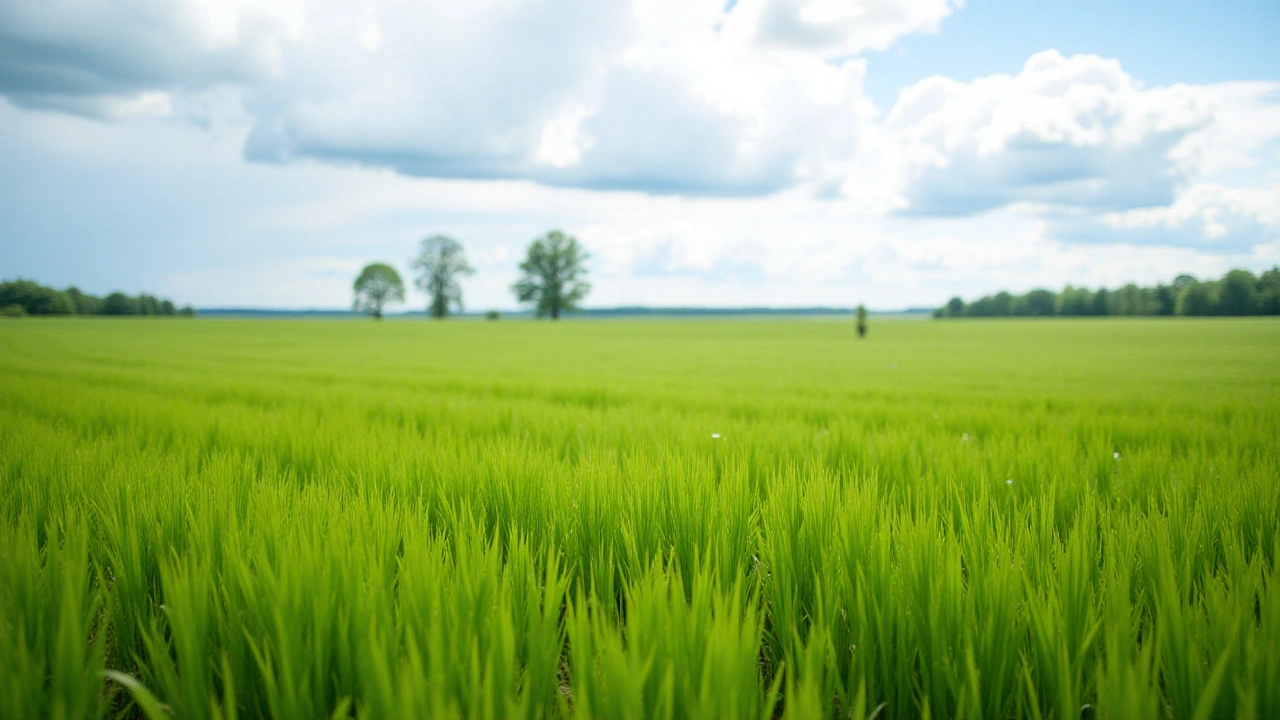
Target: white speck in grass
1009,481
1115,456
715,436
966,438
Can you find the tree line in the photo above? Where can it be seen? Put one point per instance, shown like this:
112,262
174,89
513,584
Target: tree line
26,297
553,277
1237,293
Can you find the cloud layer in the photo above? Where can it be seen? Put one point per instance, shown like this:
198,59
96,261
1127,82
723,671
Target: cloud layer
1070,133
663,96
727,144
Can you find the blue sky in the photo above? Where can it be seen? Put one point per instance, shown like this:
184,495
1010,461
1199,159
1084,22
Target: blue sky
1159,43
775,152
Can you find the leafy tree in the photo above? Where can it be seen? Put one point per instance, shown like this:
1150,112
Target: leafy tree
1038,302
1102,302
998,305
440,263
1269,292
1127,300
1238,293
553,275
1196,299
1166,299
35,298
862,321
57,303
85,303
377,285
1074,301
117,303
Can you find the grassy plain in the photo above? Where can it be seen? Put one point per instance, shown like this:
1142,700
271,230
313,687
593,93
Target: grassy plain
628,519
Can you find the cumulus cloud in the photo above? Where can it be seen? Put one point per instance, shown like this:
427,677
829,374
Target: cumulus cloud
1208,215
833,28
1063,131
671,97
664,96
651,96
93,57
450,89
1073,133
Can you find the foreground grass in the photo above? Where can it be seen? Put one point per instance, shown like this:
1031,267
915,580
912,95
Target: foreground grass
239,519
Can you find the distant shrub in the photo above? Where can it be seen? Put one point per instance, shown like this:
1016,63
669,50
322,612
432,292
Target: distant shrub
14,310
492,315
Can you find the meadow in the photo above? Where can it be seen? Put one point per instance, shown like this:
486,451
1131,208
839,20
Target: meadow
635,519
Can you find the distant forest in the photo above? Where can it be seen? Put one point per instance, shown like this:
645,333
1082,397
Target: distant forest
1239,292
24,297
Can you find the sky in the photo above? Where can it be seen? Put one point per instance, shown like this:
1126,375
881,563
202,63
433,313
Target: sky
257,153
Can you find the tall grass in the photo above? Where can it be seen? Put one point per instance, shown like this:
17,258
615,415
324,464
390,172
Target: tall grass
639,519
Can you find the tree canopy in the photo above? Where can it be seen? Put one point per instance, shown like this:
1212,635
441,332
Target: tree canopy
1239,292
377,285
37,299
553,275
440,263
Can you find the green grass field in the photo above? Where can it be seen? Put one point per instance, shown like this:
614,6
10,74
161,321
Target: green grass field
632,519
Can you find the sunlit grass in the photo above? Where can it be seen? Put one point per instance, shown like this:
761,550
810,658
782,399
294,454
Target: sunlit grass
677,519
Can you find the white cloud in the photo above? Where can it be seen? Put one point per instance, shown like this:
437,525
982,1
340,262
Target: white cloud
371,36
678,96
833,28
744,162
107,107
665,96
563,141
63,48
166,212
1074,133
646,95
1207,215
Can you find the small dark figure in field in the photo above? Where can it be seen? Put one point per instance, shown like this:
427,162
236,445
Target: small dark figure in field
862,321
